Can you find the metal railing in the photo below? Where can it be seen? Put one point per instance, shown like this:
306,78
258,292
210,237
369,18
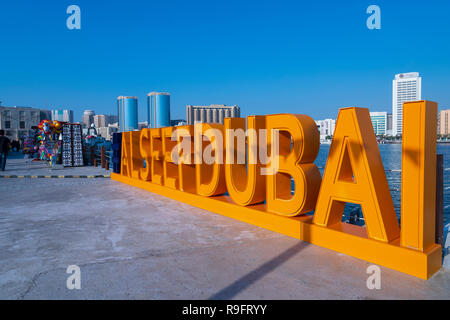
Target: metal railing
98,156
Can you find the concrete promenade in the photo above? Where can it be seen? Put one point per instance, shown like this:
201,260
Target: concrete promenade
132,244
17,165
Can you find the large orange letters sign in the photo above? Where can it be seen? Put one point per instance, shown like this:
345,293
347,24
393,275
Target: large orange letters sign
267,167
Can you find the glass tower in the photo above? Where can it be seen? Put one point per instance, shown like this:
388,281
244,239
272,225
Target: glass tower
127,111
379,122
158,109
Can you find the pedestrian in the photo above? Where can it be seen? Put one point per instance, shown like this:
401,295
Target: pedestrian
4,148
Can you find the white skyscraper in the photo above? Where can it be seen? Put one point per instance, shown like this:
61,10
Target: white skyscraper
405,87
62,115
326,127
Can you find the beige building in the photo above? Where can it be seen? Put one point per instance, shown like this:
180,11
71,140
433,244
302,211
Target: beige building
107,132
443,122
215,113
88,118
103,120
17,121
100,120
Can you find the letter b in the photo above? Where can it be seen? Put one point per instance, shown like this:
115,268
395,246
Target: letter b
298,146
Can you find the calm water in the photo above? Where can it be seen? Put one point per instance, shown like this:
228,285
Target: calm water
391,155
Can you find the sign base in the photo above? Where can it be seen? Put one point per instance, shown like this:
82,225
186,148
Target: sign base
341,237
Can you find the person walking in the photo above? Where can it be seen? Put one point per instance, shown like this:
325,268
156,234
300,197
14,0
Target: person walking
4,148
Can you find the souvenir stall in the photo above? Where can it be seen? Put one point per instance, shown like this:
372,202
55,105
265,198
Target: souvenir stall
72,146
48,145
29,146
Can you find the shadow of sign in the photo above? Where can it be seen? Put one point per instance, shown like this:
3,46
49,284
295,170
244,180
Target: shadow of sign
250,278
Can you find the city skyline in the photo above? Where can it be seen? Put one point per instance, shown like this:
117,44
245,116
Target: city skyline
281,57
144,114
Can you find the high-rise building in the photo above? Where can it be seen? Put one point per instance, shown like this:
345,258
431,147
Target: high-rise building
405,87
127,111
100,120
158,109
379,122
107,132
88,118
215,113
444,117
389,124
439,122
326,127
62,115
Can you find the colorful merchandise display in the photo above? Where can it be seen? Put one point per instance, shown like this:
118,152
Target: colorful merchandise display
55,142
29,143
48,144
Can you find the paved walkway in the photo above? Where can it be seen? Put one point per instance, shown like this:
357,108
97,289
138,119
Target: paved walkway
16,165
132,244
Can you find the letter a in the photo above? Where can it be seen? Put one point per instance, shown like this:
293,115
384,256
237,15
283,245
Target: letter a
374,21
74,21
354,173
74,280
374,280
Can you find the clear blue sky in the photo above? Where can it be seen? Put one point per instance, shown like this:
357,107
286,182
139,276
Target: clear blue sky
306,57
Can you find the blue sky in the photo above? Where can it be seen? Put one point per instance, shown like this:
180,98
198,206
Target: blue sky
308,57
